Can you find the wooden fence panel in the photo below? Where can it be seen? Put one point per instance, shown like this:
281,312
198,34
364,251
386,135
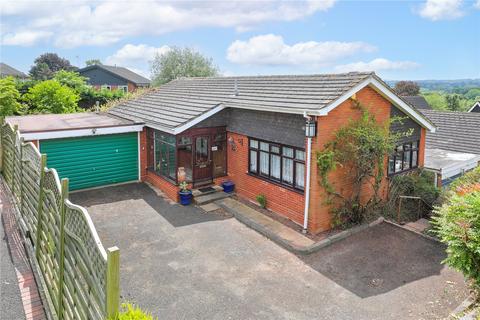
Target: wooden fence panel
82,280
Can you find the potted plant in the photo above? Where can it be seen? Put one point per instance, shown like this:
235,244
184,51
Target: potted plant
185,194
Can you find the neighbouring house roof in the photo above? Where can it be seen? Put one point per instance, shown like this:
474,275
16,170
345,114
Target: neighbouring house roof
121,72
6,70
475,107
456,131
450,163
184,102
418,102
44,126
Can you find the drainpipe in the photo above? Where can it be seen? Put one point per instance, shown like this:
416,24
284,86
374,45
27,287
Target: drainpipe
307,183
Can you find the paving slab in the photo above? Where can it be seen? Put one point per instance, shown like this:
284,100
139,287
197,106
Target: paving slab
209,207
419,225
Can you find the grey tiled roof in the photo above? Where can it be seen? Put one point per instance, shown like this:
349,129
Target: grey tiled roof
182,100
418,102
456,131
6,70
122,73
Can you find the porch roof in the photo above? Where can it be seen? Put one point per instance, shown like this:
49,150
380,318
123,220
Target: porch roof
181,103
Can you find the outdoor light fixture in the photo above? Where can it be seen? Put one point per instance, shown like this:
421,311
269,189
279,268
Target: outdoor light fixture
310,128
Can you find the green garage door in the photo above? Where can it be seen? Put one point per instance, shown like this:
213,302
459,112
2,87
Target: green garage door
94,161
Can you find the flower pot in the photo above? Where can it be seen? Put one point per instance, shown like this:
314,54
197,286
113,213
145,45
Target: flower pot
185,197
228,186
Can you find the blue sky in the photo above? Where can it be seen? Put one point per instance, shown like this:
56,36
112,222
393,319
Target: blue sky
428,39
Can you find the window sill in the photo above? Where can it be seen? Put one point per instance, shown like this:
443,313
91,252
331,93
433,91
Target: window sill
391,175
290,188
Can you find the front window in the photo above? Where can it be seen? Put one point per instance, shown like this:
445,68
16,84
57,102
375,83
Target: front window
279,163
404,158
165,156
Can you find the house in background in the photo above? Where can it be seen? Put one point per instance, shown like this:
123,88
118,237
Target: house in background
113,78
454,148
8,71
418,102
475,107
260,132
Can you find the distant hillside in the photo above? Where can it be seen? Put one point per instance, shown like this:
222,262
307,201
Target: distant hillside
448,86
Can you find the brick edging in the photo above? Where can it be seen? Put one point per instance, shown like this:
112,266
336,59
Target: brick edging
30,295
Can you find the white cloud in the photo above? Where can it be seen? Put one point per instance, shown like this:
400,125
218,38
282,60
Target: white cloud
378,64
90,22
24,38
442,9
136,57
477,4
271,49
131,54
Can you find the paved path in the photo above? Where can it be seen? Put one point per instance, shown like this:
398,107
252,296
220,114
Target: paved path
10,298
181,263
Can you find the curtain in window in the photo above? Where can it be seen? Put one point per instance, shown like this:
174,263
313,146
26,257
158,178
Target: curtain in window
300,175
253,161
275,167
264,165
288,170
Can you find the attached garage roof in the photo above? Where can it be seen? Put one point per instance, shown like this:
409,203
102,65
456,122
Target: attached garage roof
49,126
70,121
178,104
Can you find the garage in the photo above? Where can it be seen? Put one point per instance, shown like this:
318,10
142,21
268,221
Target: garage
94,161
90,149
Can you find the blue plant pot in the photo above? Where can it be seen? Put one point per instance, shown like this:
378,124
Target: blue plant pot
185,197
228,186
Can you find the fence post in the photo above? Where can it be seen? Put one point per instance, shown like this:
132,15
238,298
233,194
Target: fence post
41,193
113,282
20,148
14,154
61,263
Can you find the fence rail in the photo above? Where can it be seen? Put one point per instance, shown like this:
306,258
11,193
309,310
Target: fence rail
81,277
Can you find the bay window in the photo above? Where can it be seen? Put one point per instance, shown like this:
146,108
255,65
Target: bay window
278,163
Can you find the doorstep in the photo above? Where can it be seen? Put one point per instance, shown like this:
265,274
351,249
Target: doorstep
279,233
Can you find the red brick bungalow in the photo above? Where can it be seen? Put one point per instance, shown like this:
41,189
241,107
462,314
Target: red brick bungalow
251,130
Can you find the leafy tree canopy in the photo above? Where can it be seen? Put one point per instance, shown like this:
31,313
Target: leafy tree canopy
407,88
51,97
92,62
71,79
181,62
47,64
9,97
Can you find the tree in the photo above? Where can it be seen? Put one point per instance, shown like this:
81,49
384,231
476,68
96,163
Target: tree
50,96
71,79
453,102
181,62
47,64
407,88
9,97
92,62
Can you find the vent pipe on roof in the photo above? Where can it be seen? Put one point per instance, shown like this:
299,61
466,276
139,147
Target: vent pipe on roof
236,87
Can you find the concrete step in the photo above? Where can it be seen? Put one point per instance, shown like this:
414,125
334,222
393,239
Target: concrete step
210,197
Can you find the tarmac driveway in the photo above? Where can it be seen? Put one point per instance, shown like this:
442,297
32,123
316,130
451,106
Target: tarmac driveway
181,263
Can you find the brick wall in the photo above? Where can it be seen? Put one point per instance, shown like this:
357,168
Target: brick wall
281,200
319,210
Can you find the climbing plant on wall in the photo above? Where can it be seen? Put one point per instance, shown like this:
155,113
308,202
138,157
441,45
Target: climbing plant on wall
360,147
